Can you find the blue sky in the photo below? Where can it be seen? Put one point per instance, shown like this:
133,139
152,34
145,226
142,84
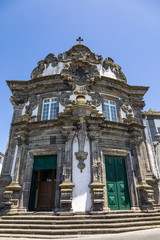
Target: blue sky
128,31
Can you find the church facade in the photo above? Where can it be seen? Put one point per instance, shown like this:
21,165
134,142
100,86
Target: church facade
77,141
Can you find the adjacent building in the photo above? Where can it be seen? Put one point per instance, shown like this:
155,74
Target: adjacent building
152,131
77,141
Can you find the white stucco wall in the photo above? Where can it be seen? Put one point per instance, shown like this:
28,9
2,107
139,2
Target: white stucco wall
104,72
35,111
123,114
53,70
81,192
24,108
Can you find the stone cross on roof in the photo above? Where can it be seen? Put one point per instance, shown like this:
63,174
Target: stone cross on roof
79,40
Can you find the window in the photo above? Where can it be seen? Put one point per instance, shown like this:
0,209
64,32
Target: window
49,109
110,110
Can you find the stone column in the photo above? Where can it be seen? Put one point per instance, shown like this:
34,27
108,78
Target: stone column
12,193
97,185
132,182
67,186
145,190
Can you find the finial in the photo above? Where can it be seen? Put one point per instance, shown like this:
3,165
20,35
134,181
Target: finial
79,40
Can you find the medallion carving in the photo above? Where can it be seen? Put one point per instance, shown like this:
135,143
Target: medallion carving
64,98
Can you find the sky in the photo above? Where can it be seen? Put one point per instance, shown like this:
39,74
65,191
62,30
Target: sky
128,31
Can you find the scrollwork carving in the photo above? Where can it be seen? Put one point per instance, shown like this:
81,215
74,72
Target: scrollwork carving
37,72
50,59
115,68
33,101
15,100
126,107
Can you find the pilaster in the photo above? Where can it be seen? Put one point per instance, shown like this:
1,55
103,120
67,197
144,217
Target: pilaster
97,185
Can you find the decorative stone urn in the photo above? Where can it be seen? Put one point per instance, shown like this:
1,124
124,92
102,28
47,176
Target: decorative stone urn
81,108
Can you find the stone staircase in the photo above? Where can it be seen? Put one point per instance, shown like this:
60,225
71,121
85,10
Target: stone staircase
47,225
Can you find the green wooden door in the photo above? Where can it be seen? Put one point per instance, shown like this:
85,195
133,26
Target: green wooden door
117,186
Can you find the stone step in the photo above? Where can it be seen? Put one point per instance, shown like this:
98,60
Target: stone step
102,216
26,236
77,213
77,226
50,232
55,227
78,221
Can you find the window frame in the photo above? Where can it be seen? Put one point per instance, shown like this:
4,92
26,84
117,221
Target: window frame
110,105
50,108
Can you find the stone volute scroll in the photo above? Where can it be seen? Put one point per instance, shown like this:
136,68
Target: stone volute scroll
81,136
33,101
127,109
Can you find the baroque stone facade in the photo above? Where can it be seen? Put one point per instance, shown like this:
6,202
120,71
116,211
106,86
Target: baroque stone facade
77,140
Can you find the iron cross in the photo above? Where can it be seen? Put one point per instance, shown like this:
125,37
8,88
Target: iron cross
79,40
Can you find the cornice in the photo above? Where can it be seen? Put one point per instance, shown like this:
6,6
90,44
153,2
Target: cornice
57,83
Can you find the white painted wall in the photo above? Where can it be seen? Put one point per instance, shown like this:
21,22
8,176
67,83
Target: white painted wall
106,73
53,70
123,114
81,192
61,108
24,108
35,111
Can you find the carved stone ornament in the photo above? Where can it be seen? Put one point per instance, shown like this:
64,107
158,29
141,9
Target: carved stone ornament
80,52
82,72
115,68
43,64
17,100
33,101
126,107
96,99
81,136
21,138
130,118
64,98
